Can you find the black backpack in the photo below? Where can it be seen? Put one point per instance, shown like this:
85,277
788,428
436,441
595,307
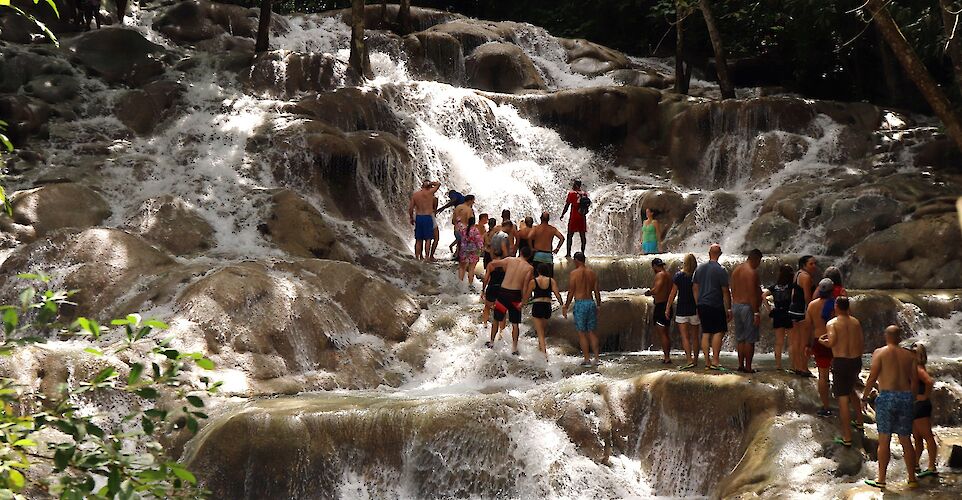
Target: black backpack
584,203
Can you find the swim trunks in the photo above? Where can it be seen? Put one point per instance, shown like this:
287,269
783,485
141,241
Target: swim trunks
586,315
660,318
649,247
509,301
781,319
424,227
894,411
923,409
745,330
823,355
713,319
540,257
844,375
541,310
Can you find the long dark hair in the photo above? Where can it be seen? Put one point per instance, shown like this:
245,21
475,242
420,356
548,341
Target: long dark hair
785,273
804,260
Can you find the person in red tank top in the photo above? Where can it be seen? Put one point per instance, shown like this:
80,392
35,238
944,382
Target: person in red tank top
576,222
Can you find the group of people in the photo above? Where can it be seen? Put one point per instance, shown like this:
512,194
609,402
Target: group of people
817,320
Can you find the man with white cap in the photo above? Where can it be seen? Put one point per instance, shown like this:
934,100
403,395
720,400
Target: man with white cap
816,317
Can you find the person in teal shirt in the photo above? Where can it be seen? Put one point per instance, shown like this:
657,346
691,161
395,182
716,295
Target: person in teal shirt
650,233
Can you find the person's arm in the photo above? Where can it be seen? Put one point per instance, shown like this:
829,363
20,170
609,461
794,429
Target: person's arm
561,240
554,289
727,298
805,281
435,186
694,292
485,279
671,299
572,283
872,376
565,209
914,375
597,294
658,233
927,379
830,336
444,207
411,211
757,299
526,294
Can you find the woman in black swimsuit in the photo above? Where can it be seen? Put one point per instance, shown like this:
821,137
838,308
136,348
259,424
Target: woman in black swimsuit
541,288
922,425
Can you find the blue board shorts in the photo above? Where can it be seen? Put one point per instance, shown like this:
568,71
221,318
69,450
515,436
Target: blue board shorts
649,246
586,315
424,227
894,412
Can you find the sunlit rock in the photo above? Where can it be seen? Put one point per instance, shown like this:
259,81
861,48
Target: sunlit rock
502,67
172,224
42,210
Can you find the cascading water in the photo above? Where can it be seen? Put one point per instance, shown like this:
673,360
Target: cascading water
446,416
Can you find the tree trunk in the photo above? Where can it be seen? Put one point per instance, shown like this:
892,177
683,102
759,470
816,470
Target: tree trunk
121,11
916,71
264,27
682,70
721,65
404,17
952,46
359,67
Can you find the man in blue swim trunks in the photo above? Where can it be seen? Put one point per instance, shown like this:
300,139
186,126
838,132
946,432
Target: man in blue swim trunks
582,284
421,215
894,368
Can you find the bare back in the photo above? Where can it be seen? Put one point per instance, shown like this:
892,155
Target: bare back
814,318
849,341
424,201
895,367
517,272
462,213
661,287
543,235
746,288
582,282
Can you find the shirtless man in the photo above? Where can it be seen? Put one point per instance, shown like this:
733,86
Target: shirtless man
660,289
582,284
542,236
437,231
512,233
461,215
894,368
421,215
845,339
746,304
823,355
517,273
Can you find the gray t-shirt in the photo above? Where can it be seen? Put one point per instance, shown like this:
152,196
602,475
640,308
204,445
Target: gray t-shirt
710,277
496,243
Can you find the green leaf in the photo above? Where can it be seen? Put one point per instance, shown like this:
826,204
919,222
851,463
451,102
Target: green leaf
155,413
10,321
192,424
157,325
53,5
148,425
195,401
136,370
94,351
104,374
61,457
147,393
183,473
171,353
16,479
205,363
24,443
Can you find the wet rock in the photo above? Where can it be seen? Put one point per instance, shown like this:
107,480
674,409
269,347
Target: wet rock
773,150
283,73
42,210
234,53
502,67
377,19
52,89
792,201
917,249
17,29
876,312
770,233
639,78
713,215
350,110
142,110
955,457
193,21
436,55
118,55
103,264
172,224
25,116
852,219
940,153
591,59
299,229
624,329
472,33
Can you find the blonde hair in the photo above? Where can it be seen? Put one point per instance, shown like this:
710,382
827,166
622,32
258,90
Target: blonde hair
921,354
690,264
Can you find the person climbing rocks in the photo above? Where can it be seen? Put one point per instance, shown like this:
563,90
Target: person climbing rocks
490,288
523,236
685,313
89,11
469,251
650,233
817,318
844,336
781,294
582,285
493,229
455,199
661,318
539,291
713,300
895,370
459,219
746,308
578,201
511,233
803,287
421,216
922,422
517,273
542,236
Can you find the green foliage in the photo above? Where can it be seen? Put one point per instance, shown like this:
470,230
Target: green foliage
92,456
43,27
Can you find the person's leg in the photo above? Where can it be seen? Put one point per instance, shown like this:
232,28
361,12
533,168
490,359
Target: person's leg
540,326
685,342
908,453
593,337
705,342
494,329
917,442
929,438
843,419
461,270
470,270
583,342
749,356
884,454
695,340
779,343
823,393
740,349
665,342
434,242
418,249
486,312
582,234
568,241
716,346
856,402
515,332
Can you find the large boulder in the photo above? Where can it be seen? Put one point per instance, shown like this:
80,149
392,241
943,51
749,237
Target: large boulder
296,227
918,253
141,110
502,67
350,110
282,73
770,233
196,20
52,89
25,116
118,55
102,264
852,219
42,210
233,53
435,55
384,17
591,59
472,33
172,224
